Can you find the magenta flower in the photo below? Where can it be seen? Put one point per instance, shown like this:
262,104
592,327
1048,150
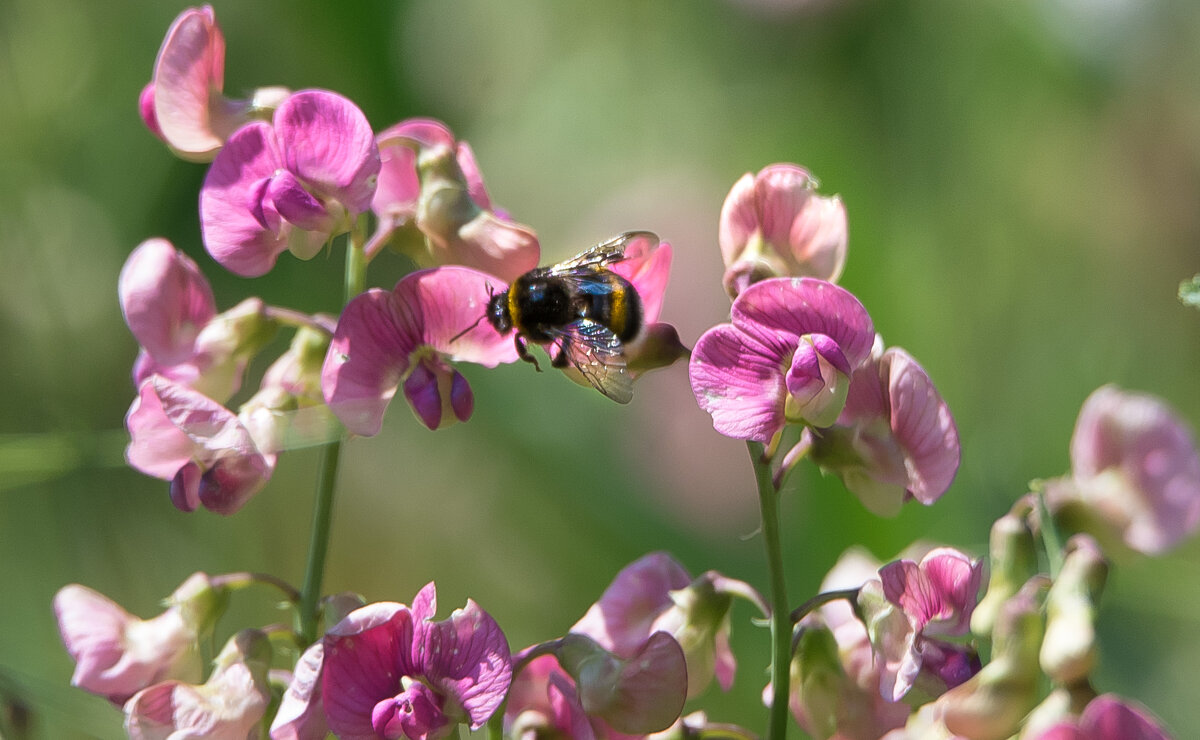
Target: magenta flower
934,598
432,205
385,340
184,104
390,671
1107,717
773,224
288,185
787,357
655,594
895,440
230,704
1135,473
543,703
116,654
208,454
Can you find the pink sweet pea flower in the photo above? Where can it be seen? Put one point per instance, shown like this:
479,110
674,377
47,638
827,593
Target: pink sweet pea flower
786,357
895,440
431,183
773,224
170,310
404,337
935,598
230,705
289,185
116,654
655,594
389,671
184,104
1107,717
1135,473
208,454
543,703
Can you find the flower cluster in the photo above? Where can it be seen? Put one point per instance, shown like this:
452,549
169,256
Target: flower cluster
886,650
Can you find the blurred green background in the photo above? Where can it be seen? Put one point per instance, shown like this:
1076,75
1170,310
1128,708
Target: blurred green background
1023,186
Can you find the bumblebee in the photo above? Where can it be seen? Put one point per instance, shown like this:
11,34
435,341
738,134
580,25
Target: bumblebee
586,311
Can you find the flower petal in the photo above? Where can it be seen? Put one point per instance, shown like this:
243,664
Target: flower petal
327,142
466,657
165,299
238,230
771,309
740,382
623,618
923,425
189,76
648,267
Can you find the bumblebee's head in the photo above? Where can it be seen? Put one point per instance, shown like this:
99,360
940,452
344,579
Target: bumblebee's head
497,312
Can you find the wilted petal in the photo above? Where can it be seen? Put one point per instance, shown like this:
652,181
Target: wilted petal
740,382
240,230
328,144
165,299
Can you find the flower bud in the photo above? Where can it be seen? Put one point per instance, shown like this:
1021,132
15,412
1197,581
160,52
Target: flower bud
991,705
1013,560
1069,648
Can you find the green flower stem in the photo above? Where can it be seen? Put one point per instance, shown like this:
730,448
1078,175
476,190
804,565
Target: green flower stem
849,594
1051,539
237,581
781,620
322,522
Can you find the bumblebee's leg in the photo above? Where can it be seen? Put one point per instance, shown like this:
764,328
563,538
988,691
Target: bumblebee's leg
523,352
559,358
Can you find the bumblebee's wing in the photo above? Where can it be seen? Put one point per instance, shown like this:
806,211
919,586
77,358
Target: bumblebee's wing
604,253
597,354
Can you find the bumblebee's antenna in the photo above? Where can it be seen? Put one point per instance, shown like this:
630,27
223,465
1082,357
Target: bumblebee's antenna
454,338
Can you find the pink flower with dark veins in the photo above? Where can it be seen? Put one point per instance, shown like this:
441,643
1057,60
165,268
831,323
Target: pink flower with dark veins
787,357
405,338
389,671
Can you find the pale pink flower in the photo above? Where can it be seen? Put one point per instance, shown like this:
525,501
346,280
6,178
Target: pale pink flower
773,224
787,357
895,441
170,310
301,714
405,337
229,706
203,449
1135,473
116,654
288,185
184,104
433,206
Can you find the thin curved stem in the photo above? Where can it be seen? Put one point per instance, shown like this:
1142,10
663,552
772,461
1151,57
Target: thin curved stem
781,622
